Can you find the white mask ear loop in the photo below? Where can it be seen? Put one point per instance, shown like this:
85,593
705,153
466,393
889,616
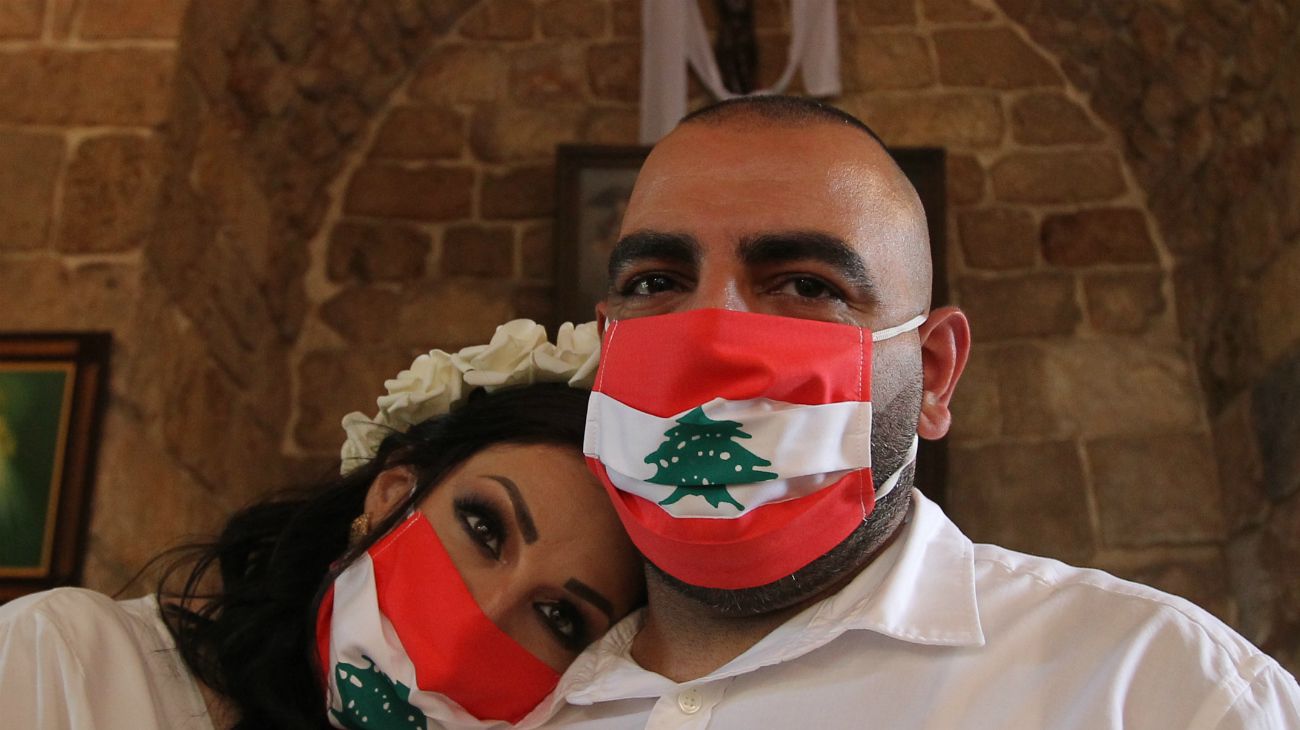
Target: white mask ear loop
907,326
892,481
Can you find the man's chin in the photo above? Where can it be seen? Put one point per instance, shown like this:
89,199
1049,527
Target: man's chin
827,572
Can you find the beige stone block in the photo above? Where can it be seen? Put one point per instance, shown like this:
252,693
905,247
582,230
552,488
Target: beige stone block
998,238
611,126
1122,387
420,133
510,133
965,179
143,503
1030,497
1057,177
1277,319
129,86
1098,236
534,301
366,252
1156,490
625,16
976,406
1028,388
29,171
574,18
478,250
461,74
500,20
947,120
1124,303
877,61
333,383
111,194
1241,470
991,57
954,11
551,72
1199,574
121,19
1047,118
1275,411
451,313
21,18
1029,305
614,71
519,192
430,193
537,252
872,13
42,294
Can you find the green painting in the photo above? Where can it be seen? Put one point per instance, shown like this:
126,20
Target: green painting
34,406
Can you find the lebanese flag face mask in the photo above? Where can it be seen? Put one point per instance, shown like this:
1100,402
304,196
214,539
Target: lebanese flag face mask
399,634
736,447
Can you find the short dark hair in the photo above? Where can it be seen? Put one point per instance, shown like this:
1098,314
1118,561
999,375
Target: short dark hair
253,640
781,109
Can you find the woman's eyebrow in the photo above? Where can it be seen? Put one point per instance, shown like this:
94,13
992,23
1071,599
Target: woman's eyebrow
590,595
527,528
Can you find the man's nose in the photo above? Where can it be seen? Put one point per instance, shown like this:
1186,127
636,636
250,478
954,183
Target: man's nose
719,289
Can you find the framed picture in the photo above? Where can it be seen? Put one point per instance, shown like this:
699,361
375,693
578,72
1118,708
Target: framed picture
52,393
593,184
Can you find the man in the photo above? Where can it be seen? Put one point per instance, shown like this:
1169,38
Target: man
775,225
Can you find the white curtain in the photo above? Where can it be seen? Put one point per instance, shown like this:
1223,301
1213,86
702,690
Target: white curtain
674,38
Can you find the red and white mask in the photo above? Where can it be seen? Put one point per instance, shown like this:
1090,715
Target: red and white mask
736,447
403,642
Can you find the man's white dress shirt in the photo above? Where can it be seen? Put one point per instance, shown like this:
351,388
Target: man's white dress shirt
945,634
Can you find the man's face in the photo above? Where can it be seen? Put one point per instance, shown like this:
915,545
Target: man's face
813,222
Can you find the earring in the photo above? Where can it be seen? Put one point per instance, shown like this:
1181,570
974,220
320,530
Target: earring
359,528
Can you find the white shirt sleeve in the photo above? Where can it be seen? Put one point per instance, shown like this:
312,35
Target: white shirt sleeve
1270,702
77,659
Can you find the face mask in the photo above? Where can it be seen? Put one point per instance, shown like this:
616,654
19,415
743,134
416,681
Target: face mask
736,447
399,633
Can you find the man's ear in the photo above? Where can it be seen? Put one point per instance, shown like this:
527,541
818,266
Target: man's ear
945,345
600,318
388,490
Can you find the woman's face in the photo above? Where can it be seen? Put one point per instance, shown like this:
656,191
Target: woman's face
534,537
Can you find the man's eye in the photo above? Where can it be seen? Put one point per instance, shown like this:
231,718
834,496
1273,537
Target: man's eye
647,285
808,287
565,622
483,526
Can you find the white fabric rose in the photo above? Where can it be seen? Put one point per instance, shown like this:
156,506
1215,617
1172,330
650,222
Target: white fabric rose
572,359
430,387
438,382
364,437
506,360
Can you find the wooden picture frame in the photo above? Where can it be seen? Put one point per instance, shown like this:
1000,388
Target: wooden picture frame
593,183
53,390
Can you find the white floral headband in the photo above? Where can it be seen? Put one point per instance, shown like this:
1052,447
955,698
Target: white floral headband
437,382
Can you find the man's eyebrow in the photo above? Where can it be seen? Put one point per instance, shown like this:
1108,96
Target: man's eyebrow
527,527
790,246
639,245
590,595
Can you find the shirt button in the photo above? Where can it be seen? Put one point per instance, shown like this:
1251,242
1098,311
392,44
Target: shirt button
689,701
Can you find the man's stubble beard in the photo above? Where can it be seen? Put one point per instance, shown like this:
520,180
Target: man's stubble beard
892,430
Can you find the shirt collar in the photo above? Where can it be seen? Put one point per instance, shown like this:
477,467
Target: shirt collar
921,590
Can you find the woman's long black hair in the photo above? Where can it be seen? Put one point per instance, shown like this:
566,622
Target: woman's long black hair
252,638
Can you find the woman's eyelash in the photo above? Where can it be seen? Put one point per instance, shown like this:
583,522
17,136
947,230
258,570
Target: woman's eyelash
482,522
565,622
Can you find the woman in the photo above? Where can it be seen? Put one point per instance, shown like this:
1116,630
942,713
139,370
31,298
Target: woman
469,556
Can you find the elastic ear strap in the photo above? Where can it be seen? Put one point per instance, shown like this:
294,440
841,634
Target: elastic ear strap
907,326
892,481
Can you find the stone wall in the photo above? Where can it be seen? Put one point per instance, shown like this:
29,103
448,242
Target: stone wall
274,204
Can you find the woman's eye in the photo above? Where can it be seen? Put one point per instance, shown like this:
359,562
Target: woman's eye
565,622
648,284
808,287
484,528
